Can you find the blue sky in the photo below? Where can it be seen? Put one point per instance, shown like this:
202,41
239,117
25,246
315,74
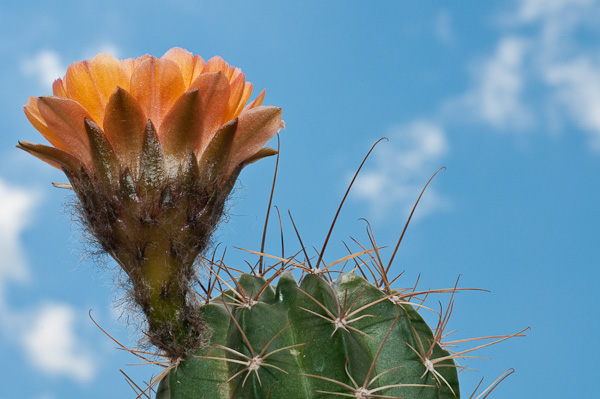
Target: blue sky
505,94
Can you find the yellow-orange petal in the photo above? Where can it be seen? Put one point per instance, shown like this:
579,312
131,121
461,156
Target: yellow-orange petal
234,73
65,119
255,128
124,126
214,93
244,99
191,65
32,113
157,84
128,66
91,83
181,129
237,91
215,158
52,156
257,102
218,64
59,89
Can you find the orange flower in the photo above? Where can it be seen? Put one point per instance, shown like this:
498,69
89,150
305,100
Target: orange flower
187,100
152,148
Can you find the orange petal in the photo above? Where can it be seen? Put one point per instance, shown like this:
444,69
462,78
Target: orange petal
65,118
257,102
157,84
35,118
215,159
198,67
237,91
59,89
217,64
128,66
255,128
91,83
181,130
52,156
214,93
244,99
124,126
234,72
191,65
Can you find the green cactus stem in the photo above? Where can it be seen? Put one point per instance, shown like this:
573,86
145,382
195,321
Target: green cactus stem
318,339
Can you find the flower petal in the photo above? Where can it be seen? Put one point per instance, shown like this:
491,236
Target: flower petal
244,99
91,83
129,64
65,119
181,130
32,113
217,64
157,84
257,102
214,93
255,128
52,156
59,89
191,65
124,126
262,153
215,158
237,91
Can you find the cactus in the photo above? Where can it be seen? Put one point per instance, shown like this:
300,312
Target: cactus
315,340
152,148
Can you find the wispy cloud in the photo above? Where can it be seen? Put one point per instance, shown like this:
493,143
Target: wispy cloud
547,57
538,63
577,91
18,204
46,66
52,345
46,334
402,167
534,10
495,96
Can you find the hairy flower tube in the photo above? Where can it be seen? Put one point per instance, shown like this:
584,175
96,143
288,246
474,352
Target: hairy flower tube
152,148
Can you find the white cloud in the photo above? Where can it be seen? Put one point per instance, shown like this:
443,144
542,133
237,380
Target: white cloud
496,95
15,214
46,66
402,167
568,68
532,10
52,345
46,334
546,58
577,89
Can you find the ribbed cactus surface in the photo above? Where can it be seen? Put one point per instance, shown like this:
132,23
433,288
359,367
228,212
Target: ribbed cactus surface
318,339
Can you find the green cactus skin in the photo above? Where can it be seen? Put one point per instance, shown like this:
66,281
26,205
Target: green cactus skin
307,345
